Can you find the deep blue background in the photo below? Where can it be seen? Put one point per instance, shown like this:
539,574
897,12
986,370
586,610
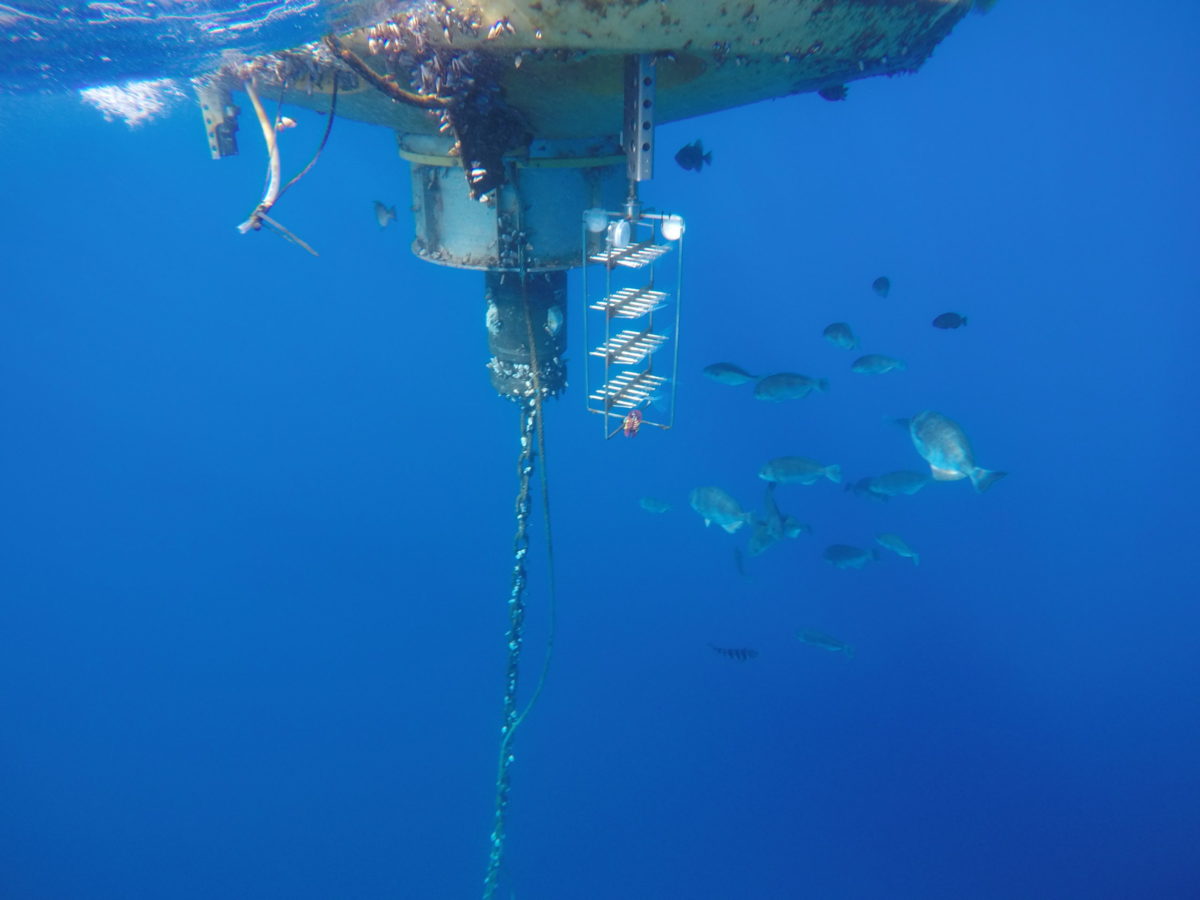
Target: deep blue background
257,513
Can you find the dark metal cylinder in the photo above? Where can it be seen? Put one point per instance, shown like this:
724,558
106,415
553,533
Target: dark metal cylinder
509,332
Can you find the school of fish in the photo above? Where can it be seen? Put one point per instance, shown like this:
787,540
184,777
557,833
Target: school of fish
940,442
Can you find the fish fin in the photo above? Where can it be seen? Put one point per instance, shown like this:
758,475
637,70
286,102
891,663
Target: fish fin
984,478
708,157
964,320
823,385
834,473
902,423
849,651
731,527
875,554
916,558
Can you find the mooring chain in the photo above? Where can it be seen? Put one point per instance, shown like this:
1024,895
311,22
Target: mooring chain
516,626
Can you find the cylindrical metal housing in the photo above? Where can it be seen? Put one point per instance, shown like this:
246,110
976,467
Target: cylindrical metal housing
518,311
538,206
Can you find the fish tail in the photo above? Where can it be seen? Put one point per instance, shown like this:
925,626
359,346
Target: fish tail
708,157
964,320
916,558
823,385
834,474
983,479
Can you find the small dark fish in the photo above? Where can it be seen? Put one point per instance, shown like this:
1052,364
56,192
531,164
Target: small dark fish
949,320
833,92
741,654
881,285
692,157
384,214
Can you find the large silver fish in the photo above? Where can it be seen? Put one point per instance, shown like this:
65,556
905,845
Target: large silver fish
799,470
715,505
788,386
943,444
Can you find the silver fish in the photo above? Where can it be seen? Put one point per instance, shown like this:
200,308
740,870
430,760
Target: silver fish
728,373
897,545
384,214
824,641
892,484
843,556
876,364
943,444
799,470
715,505
788,386
840,335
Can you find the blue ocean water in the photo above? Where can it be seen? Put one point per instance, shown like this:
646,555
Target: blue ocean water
257,513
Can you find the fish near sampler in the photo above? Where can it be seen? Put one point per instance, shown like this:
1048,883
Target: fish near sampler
943,444
876,364
715,505
728,373
384,214
824,641
840,335
893,484
898,545
949,320
788,386
843,556
799,470
692,157
741,654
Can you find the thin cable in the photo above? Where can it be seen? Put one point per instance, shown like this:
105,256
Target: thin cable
324,139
